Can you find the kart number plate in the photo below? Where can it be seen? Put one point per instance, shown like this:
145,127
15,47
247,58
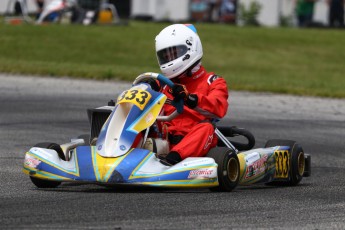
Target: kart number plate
135,96
282,163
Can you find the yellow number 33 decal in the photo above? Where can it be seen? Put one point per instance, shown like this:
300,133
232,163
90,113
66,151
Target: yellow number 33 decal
135,96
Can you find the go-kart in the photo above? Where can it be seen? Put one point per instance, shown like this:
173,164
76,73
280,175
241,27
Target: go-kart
113,153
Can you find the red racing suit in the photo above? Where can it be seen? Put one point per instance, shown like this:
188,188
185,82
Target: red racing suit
193,129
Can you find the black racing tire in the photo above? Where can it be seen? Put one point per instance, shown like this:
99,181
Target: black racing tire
297,161
228,168
40,183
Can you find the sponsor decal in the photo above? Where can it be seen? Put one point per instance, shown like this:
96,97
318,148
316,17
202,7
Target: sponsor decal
252,157
199,75
177,68
209,141
188,42
256,168
186,57
201,173
31,161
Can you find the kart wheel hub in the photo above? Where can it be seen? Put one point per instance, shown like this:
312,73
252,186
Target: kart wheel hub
300,163
233,170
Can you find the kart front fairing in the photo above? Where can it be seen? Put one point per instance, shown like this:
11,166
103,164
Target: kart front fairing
136,167
135,111
117,158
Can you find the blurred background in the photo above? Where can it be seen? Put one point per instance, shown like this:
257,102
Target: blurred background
265,12
283,46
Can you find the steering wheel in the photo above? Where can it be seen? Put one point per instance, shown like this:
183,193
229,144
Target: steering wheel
164,81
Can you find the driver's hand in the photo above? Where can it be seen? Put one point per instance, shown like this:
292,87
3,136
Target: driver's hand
153,83
179,92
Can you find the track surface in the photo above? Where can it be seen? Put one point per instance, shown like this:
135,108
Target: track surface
44,109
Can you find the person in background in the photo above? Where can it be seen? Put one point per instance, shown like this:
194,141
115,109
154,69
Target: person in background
213,9
336,13
227,11
205,94
199,10
40,5
305,12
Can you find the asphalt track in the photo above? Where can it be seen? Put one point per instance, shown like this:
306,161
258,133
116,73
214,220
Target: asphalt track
36,109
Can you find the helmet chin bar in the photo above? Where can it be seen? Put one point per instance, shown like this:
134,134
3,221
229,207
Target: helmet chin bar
189,70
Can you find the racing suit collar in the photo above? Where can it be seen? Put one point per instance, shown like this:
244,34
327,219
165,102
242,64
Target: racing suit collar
197,72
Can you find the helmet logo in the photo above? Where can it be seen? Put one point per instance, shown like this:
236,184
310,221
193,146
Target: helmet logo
188,43
186,57
173,33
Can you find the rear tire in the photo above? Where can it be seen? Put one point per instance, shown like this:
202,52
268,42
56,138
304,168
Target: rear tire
297,161
228,169
41,183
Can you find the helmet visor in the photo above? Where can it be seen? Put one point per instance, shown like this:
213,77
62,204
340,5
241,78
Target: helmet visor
171,53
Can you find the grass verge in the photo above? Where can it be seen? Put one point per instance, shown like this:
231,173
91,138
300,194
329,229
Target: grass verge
282,60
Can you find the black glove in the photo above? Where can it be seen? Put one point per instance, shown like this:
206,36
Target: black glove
153,83
179,92
191,101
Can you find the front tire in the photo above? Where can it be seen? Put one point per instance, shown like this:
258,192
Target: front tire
228,168
297,161
41,183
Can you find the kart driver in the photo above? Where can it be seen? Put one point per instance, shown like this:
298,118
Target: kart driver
205,95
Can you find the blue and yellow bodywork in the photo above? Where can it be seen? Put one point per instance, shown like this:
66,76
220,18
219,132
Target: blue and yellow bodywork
86,165
264,165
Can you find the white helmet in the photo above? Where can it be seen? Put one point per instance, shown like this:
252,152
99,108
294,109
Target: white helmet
178,47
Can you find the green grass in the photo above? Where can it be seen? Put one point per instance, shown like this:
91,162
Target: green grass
282,60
